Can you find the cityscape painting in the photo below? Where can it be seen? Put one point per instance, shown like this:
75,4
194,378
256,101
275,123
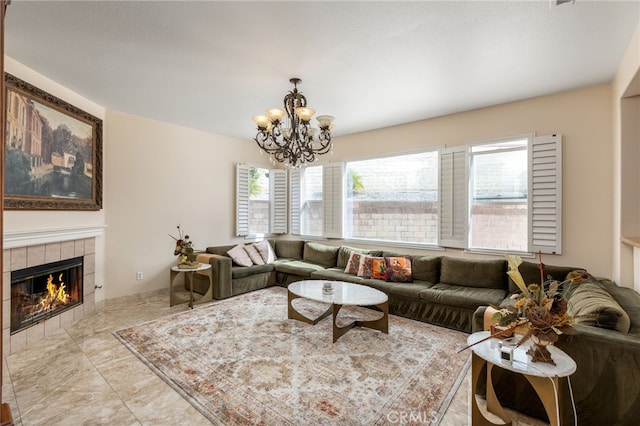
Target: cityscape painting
53,152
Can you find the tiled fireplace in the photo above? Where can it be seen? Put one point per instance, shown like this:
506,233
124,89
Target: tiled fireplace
52,307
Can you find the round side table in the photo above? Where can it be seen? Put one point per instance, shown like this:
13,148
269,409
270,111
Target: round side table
542,376
188,281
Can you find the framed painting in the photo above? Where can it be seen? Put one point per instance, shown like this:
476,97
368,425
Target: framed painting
53,152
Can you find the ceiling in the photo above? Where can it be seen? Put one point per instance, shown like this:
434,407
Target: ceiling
213,65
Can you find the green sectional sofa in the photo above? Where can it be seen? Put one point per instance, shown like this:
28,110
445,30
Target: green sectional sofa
454,293
445,291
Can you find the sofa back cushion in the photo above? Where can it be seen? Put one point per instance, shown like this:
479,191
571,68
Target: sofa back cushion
289,249
474,272
427,268
530,272
220,250
320,254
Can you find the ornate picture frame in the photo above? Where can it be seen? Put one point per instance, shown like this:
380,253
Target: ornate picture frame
53,152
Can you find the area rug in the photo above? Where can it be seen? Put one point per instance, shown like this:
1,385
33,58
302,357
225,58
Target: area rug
240,361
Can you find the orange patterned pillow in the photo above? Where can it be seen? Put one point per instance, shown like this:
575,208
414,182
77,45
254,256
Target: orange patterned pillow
379,268
399,269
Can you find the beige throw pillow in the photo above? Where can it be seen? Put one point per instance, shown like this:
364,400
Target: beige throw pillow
266,251
253,253
240,256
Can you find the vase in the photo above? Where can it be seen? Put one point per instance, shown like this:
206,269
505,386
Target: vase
539,351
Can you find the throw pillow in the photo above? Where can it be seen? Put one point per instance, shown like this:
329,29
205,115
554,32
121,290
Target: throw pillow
353,264
254,254
266,251
366,264
379,269
398,269
240,256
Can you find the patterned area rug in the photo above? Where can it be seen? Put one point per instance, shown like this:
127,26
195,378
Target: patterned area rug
241,361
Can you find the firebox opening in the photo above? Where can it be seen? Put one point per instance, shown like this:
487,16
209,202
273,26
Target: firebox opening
43,291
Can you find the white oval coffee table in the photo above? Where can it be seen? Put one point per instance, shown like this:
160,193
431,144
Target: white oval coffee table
343,294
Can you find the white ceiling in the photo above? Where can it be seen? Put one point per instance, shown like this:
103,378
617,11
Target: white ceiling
213,65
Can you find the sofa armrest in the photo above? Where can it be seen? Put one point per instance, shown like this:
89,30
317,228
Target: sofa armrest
221,272
477,323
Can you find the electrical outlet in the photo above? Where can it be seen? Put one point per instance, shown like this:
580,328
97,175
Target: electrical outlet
139,276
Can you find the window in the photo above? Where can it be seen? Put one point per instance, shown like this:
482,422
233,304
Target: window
261,195
500,195
503,195
498,213
393,198
316,193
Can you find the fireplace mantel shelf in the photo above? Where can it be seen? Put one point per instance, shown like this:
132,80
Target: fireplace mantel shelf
13,239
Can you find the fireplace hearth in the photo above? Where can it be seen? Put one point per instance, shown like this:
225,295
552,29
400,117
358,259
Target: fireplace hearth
44,291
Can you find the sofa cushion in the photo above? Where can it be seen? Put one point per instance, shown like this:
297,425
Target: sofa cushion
462,297
474,272
240,256
426,268
411,290
300,268
530,272
398,269
320,254
289,249
247,271
335,274
591,304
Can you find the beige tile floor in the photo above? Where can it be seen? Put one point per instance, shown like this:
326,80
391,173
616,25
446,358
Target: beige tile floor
84,376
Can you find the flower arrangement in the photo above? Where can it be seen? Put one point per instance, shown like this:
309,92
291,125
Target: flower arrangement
539,309
184,247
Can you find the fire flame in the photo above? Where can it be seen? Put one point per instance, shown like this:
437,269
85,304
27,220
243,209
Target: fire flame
55,294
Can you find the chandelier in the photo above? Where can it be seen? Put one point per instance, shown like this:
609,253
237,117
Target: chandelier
293,141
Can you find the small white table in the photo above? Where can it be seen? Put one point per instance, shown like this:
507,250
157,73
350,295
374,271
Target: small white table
188,280
343,294
542,376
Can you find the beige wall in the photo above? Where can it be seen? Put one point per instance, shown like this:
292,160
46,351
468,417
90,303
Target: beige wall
55,220
160,175
582,116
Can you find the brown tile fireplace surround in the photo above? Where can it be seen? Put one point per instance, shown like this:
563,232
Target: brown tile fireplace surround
20,258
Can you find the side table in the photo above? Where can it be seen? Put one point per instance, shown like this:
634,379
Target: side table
542,376
188,281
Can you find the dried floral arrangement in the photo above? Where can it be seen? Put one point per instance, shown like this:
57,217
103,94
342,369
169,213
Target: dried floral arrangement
183,249
539,311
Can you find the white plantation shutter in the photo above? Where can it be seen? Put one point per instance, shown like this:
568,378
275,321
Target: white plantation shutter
545,194
278,204
332,189
242,200
294,207
454,191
